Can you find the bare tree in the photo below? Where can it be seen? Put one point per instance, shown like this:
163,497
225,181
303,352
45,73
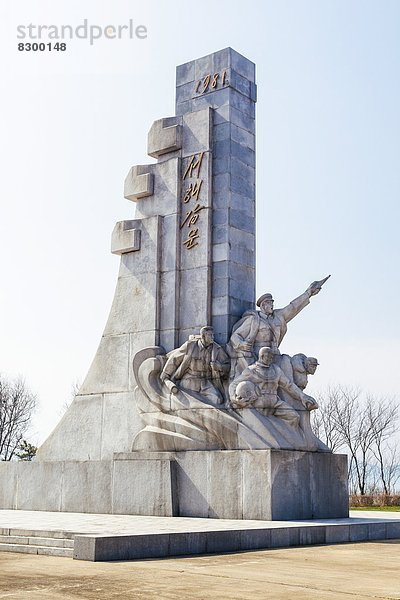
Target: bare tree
388,458
351,427
360,426
324,420
17,405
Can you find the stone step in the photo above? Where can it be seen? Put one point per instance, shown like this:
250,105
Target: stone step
36,541
31,549
42,533
29,541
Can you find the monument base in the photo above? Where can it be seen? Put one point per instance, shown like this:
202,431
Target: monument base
232,484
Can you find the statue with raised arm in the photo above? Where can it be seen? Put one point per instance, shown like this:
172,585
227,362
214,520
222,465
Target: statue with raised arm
264,327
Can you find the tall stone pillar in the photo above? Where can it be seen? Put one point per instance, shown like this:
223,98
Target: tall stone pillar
225,82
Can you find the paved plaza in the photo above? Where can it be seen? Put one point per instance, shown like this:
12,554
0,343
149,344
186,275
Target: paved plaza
352,571
345,571
81,523
99,537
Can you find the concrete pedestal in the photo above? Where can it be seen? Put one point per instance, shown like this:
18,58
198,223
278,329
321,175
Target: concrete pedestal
233,484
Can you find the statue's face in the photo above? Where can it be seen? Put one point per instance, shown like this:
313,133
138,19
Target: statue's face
311,367
266,357
243,397
267,306
207,337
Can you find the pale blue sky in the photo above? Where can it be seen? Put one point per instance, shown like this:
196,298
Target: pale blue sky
328,183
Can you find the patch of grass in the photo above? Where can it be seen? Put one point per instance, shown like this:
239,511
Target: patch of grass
377,508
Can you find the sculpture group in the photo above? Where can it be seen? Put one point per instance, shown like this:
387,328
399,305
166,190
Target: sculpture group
172,420
246,395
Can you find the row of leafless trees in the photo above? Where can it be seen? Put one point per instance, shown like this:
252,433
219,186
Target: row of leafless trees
365,428
17,405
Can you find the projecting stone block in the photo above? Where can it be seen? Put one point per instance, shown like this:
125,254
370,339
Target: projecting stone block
146,260
166,197
138,183
125,238
164,137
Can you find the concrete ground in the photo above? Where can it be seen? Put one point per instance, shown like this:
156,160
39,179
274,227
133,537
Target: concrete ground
346,571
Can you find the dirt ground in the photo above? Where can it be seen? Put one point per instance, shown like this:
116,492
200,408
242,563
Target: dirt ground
345,571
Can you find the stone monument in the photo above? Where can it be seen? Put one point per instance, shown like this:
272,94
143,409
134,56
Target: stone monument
189,407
